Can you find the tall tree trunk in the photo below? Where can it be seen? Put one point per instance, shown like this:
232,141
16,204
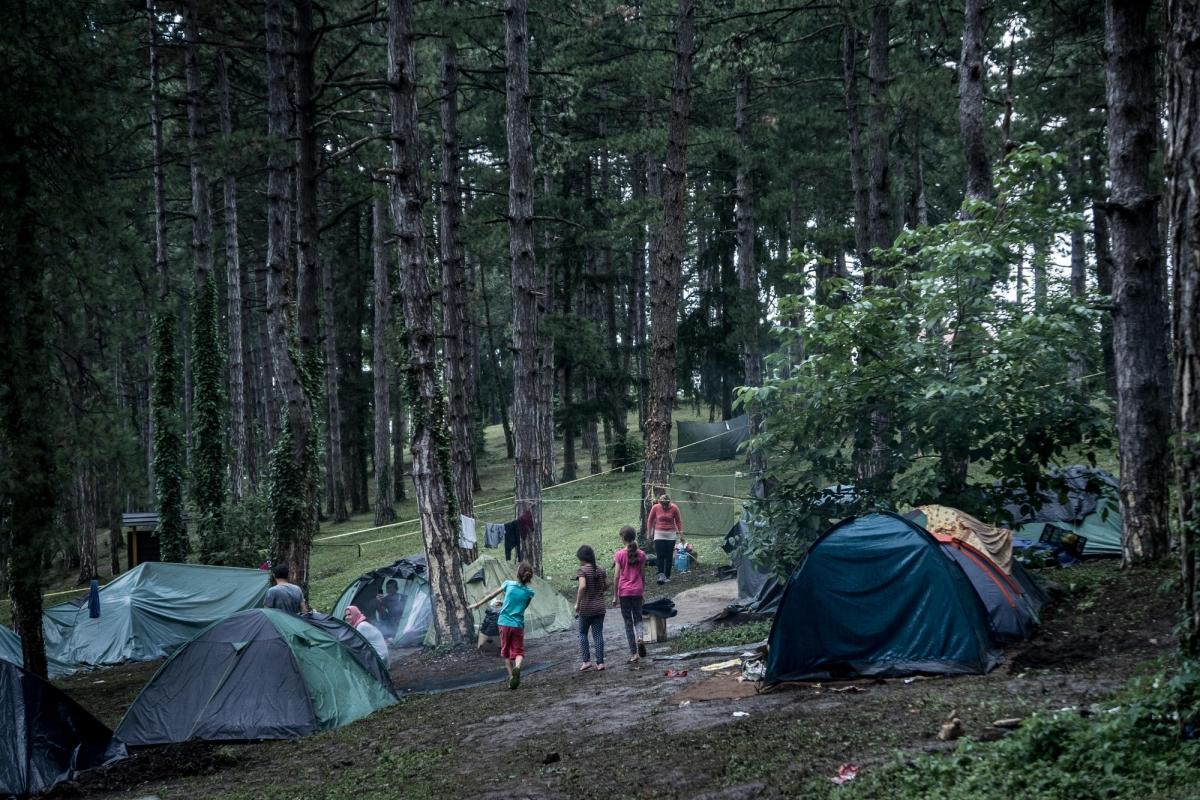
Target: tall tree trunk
1140,313
751,307
114,536
654,192
240,452
385,484
1101,240
1041,255
293,467
454,289
546,370
337,458
1183,171
86,522
858,181
431,464
636,352
1078,366
665,280
570,469
494,359
308,268
399,441
972,124
525,285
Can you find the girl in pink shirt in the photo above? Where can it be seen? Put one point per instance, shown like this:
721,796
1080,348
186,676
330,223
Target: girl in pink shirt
629,590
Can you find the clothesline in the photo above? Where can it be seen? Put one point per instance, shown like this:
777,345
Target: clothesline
513,500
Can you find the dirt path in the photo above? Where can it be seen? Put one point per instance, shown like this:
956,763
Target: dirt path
632,732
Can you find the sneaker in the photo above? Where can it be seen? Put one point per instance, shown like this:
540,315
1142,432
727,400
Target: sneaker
661,579
666,580
515,680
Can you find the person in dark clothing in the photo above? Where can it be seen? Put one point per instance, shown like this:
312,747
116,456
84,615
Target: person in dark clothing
391,608
285,595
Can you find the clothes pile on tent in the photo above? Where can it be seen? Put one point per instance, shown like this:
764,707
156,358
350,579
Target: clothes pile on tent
258,674
711,441
877,595
404,611
149,611
1079,500
10,650
47,737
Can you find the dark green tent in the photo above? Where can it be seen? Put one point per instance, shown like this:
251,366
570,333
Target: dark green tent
47,737
875,595
711,441
259,674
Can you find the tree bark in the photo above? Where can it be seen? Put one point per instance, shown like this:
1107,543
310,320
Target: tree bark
858,180
86,522
527,410
879,192
1183,174
1140,315
431,464
308,268
294,470
241,455
385,483
747,270
494,359
1078,367
399,441
455,329
665,280
972,124
1104,274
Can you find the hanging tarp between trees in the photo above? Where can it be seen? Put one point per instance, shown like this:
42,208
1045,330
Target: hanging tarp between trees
708,503
711,441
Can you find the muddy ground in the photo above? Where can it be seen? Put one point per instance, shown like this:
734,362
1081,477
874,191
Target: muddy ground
631,731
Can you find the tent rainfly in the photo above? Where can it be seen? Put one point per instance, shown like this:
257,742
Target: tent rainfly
259,674
149,611
48,738
10,650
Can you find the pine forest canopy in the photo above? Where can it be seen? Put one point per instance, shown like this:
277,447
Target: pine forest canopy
268,262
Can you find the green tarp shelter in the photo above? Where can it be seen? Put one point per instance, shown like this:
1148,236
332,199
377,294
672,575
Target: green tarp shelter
548,612
259,674
710,441
707,503
875,595
149,611
46,737
10,650
1102,528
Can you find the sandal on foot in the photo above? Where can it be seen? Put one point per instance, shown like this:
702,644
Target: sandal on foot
585,667
599,668
633,659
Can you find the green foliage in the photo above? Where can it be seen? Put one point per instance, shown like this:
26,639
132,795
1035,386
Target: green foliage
1146,745
944,361
287,500
246,533
168,441
628,450
208,484
724,636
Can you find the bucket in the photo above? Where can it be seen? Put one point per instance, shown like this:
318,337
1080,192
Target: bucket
681,561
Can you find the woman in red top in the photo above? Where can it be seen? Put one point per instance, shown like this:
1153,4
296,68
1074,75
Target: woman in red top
629,590
663,527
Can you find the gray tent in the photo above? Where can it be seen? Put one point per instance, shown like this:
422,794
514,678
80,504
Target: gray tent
10,650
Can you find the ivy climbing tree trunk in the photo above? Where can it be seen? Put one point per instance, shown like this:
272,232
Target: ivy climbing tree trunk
431,465
1140,313
385,509
294,495
667,270
207,418
454,286
525,285
751,306
1183,172
241,455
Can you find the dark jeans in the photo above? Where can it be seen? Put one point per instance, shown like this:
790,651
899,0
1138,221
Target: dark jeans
631,612
664,552
595,622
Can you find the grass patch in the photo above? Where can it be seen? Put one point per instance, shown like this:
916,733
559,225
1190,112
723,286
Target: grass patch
1146,743
724,636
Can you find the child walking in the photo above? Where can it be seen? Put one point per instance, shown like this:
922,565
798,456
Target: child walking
517,595
630,589
589,605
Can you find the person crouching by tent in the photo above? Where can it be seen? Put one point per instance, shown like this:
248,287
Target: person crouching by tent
629,590
283,594
664,527
517,595
357,620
